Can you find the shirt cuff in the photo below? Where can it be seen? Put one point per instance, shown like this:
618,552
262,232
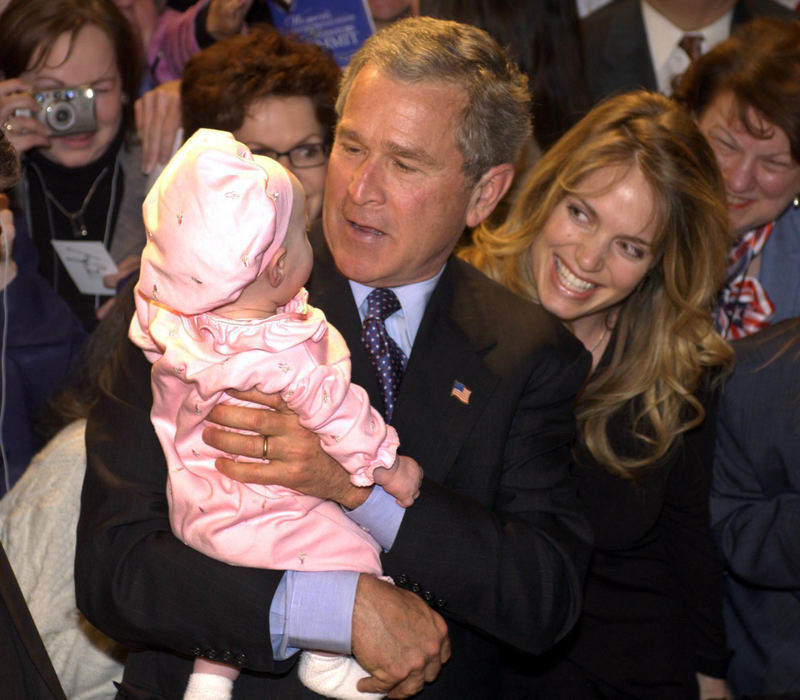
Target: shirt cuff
312,610
380,516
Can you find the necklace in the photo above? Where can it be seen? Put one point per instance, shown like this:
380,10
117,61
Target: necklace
110,212
76,219
600,339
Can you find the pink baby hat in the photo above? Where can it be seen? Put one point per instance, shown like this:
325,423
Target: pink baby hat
214,218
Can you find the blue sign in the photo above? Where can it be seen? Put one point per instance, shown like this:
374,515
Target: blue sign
341,26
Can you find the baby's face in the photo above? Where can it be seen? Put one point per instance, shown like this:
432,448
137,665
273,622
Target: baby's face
299,257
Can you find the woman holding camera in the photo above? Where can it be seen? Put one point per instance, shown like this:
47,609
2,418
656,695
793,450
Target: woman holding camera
71,73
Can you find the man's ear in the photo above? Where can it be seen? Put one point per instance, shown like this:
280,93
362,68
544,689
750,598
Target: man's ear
276,268
488,191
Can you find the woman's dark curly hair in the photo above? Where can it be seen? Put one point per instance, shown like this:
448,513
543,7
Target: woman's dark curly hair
221,82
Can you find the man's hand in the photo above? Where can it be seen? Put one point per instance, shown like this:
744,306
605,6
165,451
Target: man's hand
295,458
158,118
397,638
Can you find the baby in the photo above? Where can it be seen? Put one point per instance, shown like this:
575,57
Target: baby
220,305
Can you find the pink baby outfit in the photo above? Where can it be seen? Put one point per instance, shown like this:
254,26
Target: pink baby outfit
211,230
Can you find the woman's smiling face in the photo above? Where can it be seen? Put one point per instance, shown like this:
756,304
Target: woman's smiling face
761,177
86,58
596,246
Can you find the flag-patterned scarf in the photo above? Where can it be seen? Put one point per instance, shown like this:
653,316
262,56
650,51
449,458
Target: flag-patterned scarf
744,307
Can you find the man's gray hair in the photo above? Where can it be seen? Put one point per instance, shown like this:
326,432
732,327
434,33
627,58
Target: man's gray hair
496,120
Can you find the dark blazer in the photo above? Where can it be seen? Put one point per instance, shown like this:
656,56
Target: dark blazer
617,56
496,540
25,668
755,508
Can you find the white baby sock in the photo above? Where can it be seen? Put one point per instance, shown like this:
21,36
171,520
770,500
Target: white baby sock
333,676
208,686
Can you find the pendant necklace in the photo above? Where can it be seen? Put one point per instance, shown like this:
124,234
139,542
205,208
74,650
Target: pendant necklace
79,229
75,218
600,339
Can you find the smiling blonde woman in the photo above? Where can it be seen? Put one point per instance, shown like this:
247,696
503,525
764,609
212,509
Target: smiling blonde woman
621,232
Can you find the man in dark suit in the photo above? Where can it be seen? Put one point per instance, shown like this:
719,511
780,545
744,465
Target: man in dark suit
432,116
617,48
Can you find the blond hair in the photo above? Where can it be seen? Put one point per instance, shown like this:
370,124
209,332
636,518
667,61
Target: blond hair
664,341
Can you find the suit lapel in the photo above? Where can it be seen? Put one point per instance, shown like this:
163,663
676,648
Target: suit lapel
449,347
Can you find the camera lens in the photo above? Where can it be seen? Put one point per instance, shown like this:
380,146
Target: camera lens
60,116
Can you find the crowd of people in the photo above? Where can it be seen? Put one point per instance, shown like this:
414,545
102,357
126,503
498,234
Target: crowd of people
468,370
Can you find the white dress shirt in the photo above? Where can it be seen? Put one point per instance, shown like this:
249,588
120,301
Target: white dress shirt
663,37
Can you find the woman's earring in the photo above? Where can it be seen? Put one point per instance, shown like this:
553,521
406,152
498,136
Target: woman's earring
796,201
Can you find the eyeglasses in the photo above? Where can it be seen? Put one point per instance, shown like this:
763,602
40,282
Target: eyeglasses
305,155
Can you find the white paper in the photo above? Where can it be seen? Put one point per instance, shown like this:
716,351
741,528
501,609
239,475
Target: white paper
87,263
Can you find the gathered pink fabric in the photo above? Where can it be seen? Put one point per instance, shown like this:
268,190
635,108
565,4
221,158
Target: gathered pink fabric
295,353
214,219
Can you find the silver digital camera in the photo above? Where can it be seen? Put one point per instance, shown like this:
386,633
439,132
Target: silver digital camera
66,110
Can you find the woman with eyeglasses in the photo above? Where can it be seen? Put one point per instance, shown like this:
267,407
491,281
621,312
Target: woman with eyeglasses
275,94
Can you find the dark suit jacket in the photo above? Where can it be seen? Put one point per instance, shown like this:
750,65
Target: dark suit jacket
25,668
755,508
617,56
496,540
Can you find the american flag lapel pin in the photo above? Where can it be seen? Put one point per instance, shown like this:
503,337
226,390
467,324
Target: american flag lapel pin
460,392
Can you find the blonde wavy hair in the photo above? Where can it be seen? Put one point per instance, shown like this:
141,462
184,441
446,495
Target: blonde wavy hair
665,342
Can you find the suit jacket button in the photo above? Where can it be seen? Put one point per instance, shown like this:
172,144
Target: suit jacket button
241,659
197,651
227,657
441,603
402,580
211,654
427,596
415,588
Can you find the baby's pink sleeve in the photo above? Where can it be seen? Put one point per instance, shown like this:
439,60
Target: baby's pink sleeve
350,429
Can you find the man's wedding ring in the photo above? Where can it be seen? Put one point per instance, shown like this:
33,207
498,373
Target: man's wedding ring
266,446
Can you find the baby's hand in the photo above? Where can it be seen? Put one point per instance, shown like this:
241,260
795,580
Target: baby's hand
402,481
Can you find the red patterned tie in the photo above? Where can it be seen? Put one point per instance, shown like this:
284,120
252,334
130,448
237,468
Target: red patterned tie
386,355
690,43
